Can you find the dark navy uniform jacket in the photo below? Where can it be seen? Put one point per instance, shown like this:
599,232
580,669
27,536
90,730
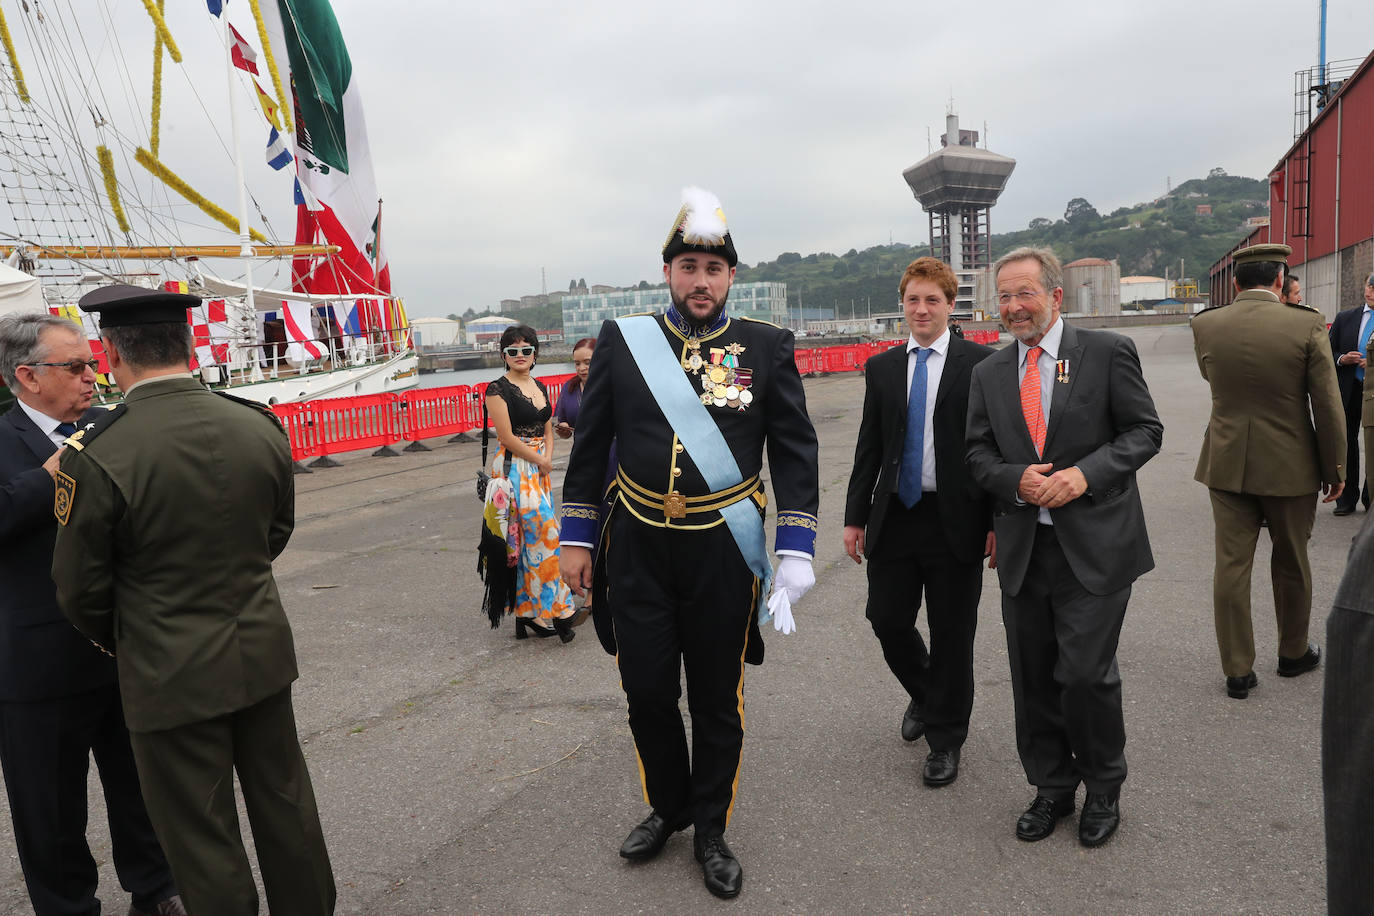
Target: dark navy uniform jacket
747,377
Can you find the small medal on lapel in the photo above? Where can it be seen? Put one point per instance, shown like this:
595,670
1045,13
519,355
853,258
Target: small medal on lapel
1061,368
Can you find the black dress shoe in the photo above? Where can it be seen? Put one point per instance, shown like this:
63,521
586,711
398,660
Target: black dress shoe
1238,688
942,768
1292,667
563,629
524,624
1344,510
719,867
648,838
912,726
1101,816
172,906
1039,819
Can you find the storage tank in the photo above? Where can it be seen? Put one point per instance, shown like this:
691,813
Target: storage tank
1092,286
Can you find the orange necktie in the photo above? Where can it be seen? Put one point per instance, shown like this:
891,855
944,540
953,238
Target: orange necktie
1030,400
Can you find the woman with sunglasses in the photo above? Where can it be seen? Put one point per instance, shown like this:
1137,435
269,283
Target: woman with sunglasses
518,405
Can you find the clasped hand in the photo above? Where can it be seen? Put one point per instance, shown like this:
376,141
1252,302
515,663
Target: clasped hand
1050,491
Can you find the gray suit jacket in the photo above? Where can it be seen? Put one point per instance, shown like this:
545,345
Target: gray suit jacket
1101,419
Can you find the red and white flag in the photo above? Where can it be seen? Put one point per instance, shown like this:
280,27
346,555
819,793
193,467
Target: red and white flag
300,331
242,54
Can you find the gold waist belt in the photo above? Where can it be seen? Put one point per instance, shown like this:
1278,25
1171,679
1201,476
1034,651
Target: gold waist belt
676,505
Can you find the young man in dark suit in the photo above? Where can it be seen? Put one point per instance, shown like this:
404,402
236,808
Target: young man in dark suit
59,695
1349,335
928,524
1058,425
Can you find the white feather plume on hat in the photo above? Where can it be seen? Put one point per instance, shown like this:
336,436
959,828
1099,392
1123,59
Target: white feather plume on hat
704,220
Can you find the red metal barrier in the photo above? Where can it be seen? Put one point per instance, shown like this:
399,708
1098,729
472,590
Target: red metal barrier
334,425
346,424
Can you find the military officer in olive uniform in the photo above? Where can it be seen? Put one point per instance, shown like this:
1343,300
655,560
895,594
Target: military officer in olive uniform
692,397
171,510
1275,438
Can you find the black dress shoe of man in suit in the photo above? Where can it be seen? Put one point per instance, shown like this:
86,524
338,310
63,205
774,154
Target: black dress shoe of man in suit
942,768
912,726
719,867
648,838
1101,816
1238,688
1344,510
1039,819
1292,667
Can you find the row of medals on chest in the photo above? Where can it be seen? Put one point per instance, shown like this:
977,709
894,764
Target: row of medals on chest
724,383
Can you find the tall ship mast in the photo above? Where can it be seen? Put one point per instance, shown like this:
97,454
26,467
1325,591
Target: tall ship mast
174,145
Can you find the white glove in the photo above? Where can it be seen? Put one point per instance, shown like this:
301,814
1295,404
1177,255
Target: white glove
780,609
794,579
794,574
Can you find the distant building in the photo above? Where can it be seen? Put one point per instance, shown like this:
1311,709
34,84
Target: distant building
509,305
1203,210
583,315
1139,289
488,329
603,288
1092,286
436,333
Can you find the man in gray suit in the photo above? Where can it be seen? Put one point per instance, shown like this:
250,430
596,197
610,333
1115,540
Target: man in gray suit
1348,734
1058,425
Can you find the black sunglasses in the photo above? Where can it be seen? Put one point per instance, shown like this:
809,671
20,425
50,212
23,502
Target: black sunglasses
526,350
74,366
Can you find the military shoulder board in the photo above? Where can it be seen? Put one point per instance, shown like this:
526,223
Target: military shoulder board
259,406
90,429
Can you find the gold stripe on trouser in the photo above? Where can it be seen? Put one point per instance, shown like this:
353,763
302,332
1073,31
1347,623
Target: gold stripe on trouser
739,694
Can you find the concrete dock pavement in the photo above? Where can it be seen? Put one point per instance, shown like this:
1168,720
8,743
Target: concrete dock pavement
460,771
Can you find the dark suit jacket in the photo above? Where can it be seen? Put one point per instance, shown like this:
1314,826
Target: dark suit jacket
41,655
181,504
965,512
1101,419
1344,335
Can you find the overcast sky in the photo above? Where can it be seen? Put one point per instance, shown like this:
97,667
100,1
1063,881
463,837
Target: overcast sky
513,137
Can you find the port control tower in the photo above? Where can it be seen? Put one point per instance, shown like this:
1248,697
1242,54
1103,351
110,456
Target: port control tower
957,186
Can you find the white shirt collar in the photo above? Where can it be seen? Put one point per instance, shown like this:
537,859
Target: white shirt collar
46,424
940,346
1049,343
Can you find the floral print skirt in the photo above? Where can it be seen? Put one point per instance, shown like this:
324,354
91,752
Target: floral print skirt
540,589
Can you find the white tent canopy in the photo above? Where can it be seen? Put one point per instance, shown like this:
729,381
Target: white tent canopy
19,292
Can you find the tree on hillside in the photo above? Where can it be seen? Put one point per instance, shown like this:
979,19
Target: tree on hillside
1040,224
452,317
1217,172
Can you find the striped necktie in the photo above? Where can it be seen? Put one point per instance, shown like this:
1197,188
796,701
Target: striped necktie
1031,408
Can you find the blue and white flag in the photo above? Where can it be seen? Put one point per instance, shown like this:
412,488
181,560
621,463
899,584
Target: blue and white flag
277,153
216,6
346,313
304,198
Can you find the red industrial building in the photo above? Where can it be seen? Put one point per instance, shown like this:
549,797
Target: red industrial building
1321,202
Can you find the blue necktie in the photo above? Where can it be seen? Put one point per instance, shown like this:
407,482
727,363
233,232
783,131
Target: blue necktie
913,451
1364,342
66,429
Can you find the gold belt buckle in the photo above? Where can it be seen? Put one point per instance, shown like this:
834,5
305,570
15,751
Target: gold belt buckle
675,505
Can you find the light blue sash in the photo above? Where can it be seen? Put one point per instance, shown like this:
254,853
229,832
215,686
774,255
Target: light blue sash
662,372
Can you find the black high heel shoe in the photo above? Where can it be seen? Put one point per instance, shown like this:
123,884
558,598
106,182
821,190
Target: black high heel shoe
563,629
522,624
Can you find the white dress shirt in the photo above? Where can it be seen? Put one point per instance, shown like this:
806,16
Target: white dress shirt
935,366
1049,355
44,422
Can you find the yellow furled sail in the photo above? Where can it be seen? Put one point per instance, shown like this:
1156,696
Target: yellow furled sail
111,186
176,183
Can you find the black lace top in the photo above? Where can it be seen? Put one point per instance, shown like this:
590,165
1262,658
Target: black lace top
525,419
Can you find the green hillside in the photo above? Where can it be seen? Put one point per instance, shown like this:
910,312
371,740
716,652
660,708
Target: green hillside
1146,239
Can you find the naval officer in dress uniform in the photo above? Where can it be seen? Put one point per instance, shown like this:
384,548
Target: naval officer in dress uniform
692,397
170,511
1275,438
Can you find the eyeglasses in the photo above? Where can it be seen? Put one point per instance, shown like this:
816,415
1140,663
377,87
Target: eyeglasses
74,366
1025,297
526,350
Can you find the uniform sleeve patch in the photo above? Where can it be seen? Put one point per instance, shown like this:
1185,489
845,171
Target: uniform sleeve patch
64,497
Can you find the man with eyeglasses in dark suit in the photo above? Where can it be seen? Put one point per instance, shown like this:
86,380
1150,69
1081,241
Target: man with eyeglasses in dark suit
59,695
